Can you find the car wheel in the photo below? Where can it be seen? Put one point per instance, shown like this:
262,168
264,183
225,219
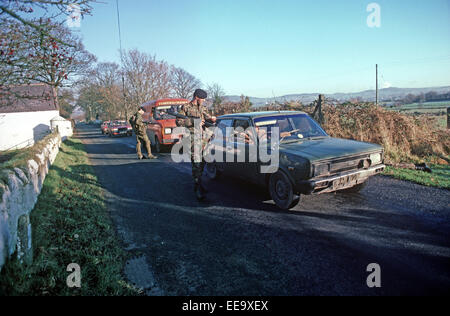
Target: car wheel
211,171
282,191
355,189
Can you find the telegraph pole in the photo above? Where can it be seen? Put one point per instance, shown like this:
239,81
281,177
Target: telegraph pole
121,60
376,88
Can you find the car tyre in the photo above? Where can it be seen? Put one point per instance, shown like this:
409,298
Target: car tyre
355,189
282,191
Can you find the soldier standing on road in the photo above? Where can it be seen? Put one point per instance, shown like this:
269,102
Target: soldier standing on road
140,129
196,110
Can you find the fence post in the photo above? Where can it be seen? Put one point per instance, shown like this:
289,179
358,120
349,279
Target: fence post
448,118
318,114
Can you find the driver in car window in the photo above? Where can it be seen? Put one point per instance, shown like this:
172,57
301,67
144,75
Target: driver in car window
285,129
249,138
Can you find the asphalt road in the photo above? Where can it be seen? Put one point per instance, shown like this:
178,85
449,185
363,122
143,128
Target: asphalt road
238,243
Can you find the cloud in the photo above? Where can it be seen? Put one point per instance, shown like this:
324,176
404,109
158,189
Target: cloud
386,85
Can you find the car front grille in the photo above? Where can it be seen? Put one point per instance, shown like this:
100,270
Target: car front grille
347,164
123,130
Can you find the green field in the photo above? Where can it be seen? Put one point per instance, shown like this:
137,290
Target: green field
426,107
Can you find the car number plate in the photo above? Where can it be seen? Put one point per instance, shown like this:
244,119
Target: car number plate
344,181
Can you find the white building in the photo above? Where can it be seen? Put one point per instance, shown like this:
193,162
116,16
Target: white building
25,115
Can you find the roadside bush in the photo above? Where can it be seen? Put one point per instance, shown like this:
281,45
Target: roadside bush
406,138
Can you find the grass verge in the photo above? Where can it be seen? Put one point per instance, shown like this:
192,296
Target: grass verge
20,157
439,178
70,225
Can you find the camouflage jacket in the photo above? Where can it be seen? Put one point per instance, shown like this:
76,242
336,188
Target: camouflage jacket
192,111
139,127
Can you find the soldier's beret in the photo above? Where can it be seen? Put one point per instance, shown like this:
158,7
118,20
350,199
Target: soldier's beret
199,93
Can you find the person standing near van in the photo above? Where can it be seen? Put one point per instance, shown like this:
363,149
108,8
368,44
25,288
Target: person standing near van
140,129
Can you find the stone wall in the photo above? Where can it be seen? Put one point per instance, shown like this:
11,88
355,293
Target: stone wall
18,196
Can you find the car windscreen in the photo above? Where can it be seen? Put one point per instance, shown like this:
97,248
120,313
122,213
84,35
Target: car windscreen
162,112
291,126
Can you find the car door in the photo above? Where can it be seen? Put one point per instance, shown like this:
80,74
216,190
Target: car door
218,144
244,148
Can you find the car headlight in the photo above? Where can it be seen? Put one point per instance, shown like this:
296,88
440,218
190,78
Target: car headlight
167,131
375,158
320,170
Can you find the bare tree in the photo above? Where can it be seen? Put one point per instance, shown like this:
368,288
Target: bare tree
23,11
66,102
183,83
216,94
22,32
145,78
107,77
91,101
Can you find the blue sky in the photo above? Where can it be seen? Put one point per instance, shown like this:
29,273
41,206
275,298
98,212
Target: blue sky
264,48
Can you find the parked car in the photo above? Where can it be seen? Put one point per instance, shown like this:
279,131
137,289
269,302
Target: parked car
160,123
310,161
119,128
104,127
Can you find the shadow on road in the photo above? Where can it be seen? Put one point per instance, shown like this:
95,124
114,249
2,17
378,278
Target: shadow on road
238,242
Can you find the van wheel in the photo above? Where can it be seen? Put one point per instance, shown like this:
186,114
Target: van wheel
211,171
282,191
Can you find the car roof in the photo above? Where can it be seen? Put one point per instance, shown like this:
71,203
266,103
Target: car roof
259,114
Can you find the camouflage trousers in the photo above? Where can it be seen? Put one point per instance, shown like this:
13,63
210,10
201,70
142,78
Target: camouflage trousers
142,139
198,165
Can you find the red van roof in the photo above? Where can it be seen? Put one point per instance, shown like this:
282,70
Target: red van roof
164,102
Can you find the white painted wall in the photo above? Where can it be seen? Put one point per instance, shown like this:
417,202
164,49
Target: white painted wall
64,127
19,130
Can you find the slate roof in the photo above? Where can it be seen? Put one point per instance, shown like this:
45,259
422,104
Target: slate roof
27,98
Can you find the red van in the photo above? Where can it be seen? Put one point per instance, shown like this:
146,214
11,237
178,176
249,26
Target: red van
160,122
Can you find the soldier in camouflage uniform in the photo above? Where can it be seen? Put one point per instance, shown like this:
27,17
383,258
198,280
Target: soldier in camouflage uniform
196,110
140,129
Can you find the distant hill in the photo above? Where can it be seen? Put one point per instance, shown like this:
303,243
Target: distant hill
387,94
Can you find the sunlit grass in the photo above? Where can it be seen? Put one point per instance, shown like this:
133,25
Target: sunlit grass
70,225
439,178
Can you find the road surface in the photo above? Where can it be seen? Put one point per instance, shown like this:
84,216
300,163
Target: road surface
238,243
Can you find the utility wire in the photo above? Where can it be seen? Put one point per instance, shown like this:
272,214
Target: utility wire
121,60
118,24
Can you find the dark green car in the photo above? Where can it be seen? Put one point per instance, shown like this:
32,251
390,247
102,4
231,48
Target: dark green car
291,154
